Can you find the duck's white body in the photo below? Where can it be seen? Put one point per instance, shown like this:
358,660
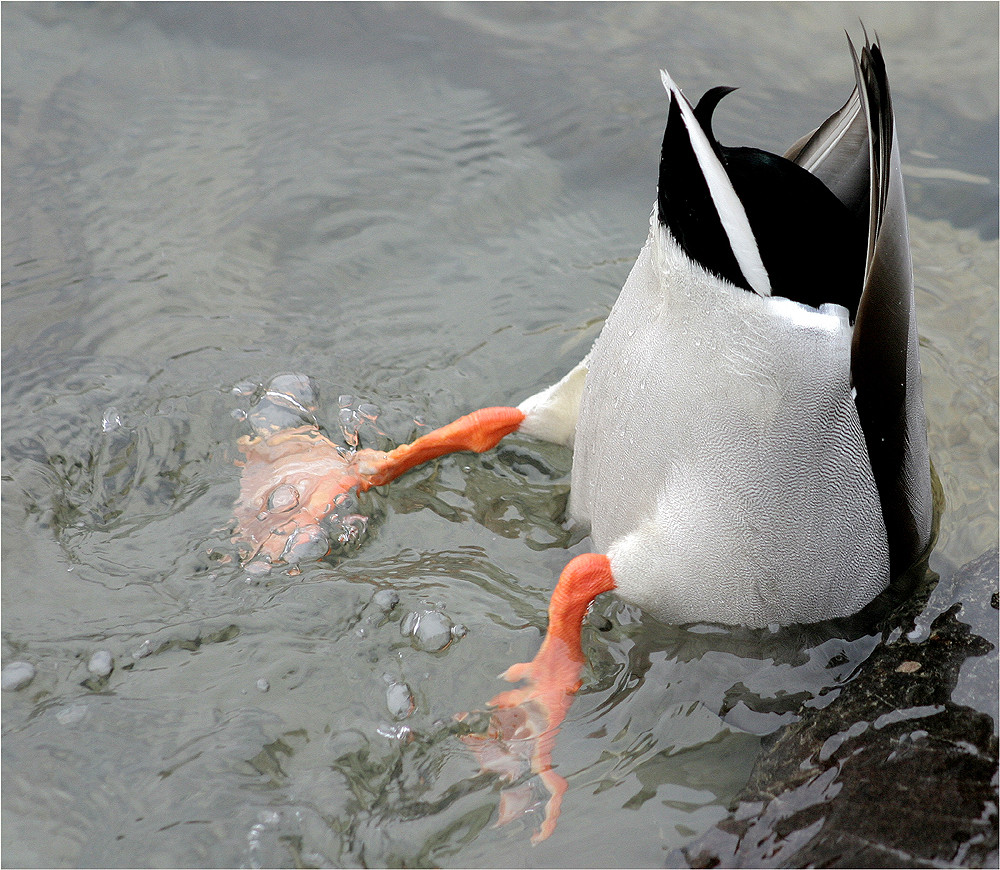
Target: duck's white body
719,457
763,503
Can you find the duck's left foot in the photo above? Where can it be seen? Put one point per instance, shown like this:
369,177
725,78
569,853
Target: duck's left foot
296,482
294,488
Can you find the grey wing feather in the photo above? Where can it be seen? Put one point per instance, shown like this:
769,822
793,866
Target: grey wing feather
837,154
855,152
885,362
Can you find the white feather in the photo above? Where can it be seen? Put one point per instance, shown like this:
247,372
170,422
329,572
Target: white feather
551,415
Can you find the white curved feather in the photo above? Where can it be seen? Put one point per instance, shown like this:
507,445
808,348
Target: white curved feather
730,210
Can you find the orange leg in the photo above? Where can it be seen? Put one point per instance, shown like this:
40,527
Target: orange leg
527,719
478,431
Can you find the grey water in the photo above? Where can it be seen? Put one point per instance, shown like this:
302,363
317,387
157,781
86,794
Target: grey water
427,209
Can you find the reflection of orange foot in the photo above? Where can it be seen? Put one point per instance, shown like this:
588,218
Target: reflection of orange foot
523,728
520,738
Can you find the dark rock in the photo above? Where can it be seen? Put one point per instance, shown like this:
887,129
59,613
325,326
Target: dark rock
894,772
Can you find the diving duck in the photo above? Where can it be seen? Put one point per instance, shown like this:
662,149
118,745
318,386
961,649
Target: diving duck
748,432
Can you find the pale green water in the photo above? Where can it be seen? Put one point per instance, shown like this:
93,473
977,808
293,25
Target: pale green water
430,209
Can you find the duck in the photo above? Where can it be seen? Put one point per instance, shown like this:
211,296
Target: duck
748,430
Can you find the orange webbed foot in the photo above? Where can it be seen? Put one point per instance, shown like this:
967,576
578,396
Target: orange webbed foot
292,481
523,727
295,480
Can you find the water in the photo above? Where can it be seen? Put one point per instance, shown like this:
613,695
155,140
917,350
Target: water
426,210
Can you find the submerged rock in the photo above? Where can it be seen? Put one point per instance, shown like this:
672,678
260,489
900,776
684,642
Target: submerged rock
399,700
431,630
893,773
16,676
385,599
101,663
